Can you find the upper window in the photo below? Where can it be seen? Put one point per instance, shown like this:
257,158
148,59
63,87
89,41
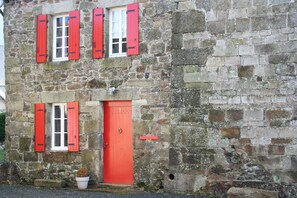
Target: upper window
60,37
59,127
117,32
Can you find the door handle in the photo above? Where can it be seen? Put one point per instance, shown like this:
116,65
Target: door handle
120,130
105,145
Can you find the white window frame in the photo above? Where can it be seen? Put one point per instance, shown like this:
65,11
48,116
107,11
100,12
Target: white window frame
122,30
62,147
64,55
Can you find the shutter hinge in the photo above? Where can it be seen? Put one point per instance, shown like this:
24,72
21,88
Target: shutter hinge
72,17
131,47
43,20
71,144
40,144
98,50
70,108
130,11
100,15
71,52
40,110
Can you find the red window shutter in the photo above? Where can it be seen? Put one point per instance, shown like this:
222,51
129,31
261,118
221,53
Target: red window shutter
73,127
98,32
39,127
41,38
132,29
74,35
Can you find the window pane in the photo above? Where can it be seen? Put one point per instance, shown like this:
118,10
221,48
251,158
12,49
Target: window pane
115,40
57,126
59,32
57,139
66,42
66,31
59,42
124,47
59,21
59,53
66,52
67,21
65,125
57,112
115,48
65,139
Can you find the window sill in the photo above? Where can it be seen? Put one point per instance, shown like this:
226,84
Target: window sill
117,55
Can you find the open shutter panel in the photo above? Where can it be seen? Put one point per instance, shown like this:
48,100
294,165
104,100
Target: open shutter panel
39,127
98,32
74,35
41,38
73,127
132,29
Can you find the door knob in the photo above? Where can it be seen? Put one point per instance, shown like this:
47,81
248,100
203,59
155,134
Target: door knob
120,130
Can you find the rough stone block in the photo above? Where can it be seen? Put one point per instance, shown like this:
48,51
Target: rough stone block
276,114
216,27
292,20
25,143
242,24
177,41
30,156
49,183
246,71
216,116
260,23
195,22
230,133
183,183
253,114
250,192
234,115
280,141
190,56
276,149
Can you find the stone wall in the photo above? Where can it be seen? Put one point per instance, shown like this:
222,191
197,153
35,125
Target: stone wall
144,79
215,81
233,92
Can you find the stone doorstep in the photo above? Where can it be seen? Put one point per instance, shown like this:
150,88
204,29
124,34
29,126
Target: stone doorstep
49,183
113,188
250,192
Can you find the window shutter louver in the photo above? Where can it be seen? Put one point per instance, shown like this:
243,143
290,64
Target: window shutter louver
41,38
39,127
98,32
74,35
73,127
132,30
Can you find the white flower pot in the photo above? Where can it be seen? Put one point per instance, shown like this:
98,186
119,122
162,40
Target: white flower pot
82,182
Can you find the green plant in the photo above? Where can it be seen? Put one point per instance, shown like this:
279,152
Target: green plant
82,172
2,127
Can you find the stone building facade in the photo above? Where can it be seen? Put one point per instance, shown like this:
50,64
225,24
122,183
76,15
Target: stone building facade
212,92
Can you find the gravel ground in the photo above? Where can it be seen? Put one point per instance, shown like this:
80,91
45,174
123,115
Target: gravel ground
15,191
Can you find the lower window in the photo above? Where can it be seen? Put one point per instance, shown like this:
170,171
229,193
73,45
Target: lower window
59,127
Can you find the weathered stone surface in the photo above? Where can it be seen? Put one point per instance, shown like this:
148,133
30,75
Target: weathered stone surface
190,57
250,192
230,133
195,22
216,116
49,183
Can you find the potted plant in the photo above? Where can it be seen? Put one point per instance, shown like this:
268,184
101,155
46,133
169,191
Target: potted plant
82,178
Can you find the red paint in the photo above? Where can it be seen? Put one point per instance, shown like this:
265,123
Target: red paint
74,35
98,32
148,137
41,38
73,126
118,150
132,30
39,127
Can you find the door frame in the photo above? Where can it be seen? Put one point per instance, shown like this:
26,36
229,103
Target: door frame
102,114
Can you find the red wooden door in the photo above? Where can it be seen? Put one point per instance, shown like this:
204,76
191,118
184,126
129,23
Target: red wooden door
118,151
